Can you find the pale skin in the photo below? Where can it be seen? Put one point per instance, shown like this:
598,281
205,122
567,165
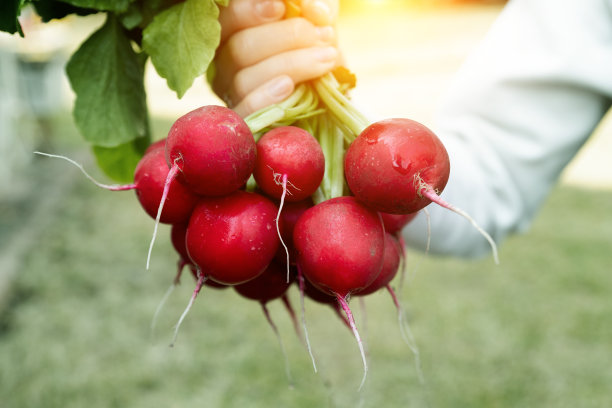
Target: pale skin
263,56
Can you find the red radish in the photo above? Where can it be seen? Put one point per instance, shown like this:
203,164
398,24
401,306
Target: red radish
395,222
213,149
177,235
233,238
156,145
399,166
389,163
149,180
290,151
270,285
391,264
340,245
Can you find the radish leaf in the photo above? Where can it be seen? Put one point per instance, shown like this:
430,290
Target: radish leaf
9,11
107,77
117,6
120,162
182,41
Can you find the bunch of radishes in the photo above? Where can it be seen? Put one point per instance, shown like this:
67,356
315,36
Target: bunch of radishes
302,191
257,236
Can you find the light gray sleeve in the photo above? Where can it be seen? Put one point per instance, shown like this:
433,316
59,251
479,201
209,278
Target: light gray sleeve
521,107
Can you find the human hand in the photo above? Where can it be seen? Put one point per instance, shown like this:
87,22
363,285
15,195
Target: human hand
262,56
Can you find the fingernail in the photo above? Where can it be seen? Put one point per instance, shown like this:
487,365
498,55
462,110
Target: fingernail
270,9
280,87
326,33
326,54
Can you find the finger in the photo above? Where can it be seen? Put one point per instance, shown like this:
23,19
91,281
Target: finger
241,14
300,65
320,12
245,47
274,91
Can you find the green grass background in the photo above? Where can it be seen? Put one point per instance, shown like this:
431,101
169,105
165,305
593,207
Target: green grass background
535,331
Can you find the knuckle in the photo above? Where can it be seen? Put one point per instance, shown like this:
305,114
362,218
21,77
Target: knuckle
239,86
236,47
300,30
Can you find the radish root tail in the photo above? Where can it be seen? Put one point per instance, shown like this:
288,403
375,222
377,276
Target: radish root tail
280,208
300,278
266,313
428,192
351,320
407,335
171,176
201,280
292,315
111,187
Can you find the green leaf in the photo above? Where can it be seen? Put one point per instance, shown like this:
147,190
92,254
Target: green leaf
9,11
117,6
119,162
223,3
108,79
132,18
182,41
54,9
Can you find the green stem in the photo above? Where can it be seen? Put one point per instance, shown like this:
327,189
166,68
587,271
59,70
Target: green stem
321,108
340,105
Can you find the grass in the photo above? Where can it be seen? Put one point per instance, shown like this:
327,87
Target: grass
533,332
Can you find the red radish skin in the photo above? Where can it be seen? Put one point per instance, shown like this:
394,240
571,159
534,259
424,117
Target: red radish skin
270,285
150,178
387,165
178,232
391,263
156,145
394,223
233,238
340,245
291,151
214,150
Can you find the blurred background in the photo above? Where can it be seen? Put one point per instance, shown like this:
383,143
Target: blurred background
76,302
